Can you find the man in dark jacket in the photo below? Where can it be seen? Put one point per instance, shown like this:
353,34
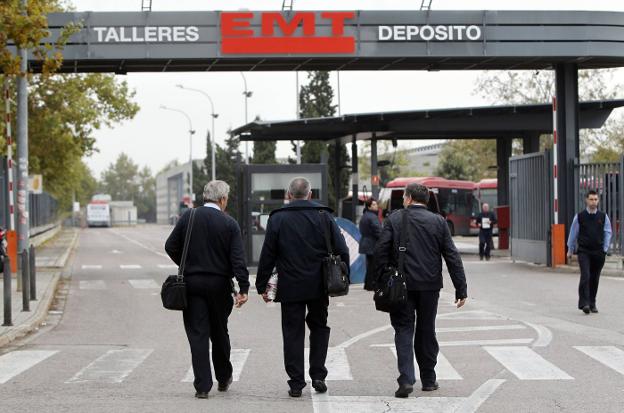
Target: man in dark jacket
485,221
370,228
429,239
295,245
215,255
590,237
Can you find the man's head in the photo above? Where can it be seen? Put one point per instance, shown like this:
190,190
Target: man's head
299,188
415,194
217,192
591,200
485,207
371,204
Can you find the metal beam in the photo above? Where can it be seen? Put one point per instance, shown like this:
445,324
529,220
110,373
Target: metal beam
503,153
355,178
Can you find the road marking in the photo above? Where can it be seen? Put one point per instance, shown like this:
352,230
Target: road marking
337,364
479,328
130,267
145,247
167,266
472,315
610,356
111,367
238,358
526,364
144,284
92,285
444,370
544,335
359,337
468,343
91,267
115,252
17,362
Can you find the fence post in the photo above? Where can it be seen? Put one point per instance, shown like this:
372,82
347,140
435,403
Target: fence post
25,281
32,273
7,292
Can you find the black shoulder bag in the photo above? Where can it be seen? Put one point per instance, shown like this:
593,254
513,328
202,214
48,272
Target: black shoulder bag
173,292
391,291
335,272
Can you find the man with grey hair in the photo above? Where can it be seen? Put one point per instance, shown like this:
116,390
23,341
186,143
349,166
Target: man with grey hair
215,256
295,245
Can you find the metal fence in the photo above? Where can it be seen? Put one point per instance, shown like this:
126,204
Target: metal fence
605,178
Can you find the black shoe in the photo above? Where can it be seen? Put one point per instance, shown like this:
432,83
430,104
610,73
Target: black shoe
487,258
432,387
201,394
404,391
225,386
319,386
593,309
586,309
480,258
295,392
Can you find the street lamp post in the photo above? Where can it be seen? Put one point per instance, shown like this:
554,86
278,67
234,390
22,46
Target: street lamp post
191,133
247,94
212,133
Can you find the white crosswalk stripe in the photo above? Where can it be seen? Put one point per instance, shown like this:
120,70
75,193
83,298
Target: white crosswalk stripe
167,266
526,364
92,285
91,267
444,370
337,364
610,356
238,358
17,362
130,267
144,284
112,367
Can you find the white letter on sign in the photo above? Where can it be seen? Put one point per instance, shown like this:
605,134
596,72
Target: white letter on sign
385,33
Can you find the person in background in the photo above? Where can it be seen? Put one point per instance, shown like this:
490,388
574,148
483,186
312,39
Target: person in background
370,228
485,221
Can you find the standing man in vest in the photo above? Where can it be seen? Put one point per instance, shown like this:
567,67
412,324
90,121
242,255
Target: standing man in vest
590,237
486,221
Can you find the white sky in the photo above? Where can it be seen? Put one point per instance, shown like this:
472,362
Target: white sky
155,137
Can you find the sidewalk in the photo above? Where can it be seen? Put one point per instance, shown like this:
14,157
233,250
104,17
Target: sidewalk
50,259
469,245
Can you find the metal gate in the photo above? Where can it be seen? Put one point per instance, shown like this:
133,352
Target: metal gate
530,200
605,178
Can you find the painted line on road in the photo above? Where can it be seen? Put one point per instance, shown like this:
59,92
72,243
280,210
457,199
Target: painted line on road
145,247
472,315
130,267
610,356
17,362
144,284
91,267
479,396
112,367
469,343
238,358
444,370
359,337
167,266
92,285
337,364
526,364
544,335
479,328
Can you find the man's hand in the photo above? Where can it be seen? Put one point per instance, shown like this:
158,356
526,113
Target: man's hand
460,303
570,253
266,298
241,299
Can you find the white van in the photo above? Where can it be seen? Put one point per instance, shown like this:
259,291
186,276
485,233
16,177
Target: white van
98,214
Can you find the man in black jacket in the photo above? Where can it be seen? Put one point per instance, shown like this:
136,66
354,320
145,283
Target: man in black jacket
429,239
215,256
295,245
370,228
485,221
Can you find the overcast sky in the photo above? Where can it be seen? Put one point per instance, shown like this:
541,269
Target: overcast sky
155,137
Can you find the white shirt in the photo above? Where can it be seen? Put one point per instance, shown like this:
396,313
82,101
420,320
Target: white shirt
212,205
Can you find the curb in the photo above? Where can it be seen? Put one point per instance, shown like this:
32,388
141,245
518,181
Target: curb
70,249
38,316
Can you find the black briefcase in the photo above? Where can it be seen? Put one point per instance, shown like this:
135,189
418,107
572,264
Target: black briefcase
335,272
173,291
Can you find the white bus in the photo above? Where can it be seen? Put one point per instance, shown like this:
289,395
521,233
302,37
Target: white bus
98,214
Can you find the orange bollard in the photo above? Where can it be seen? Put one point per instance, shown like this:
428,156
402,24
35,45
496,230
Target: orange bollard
11,237
558,245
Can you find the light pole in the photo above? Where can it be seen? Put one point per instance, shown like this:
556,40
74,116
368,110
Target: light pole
191,133
247,94
212,133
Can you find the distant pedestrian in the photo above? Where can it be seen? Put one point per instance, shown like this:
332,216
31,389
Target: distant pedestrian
590,237
428,240
215,256
295,245
370,228
486,221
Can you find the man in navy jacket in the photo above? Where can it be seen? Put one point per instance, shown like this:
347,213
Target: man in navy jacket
295,245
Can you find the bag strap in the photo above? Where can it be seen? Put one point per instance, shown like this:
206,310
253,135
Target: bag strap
403,235
187,238
326,230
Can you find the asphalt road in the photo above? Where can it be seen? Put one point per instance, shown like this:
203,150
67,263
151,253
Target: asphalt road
519,345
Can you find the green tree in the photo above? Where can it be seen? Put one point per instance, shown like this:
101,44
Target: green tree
471,159
397,159
264,151
145,199
120,179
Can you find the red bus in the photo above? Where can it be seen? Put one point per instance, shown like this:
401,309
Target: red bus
454,200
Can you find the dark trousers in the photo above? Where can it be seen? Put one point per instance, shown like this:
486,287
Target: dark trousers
369,281
485,243
421,308
591,264
205,320
294,319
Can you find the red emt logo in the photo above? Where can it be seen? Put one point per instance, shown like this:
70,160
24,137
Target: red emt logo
277,33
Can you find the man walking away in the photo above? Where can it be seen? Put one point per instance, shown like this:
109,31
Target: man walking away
590,237
429,239
370,228
215,255
486,221
295,245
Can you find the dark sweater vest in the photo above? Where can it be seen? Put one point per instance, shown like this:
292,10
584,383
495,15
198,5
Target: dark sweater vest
591,231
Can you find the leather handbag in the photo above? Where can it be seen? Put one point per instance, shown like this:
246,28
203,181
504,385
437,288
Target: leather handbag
391,291
173,292
335,272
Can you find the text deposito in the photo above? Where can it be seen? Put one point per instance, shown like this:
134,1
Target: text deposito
427,33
